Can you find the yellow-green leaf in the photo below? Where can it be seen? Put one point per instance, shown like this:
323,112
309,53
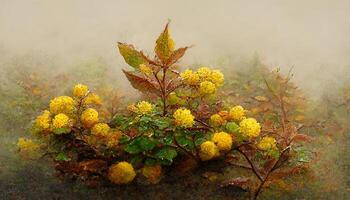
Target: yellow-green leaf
164,45
131,56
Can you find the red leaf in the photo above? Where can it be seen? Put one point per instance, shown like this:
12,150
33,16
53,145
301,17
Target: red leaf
140,83
302,138
176,55
240,182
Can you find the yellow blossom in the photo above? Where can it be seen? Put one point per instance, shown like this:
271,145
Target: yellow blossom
217,120
144,107
217,78
152,173
208,150
80,90
60,121
121,173
237,113
100,129
204,73
113,139
223,141
92,98
43,121
27,148
89,117
267,143
207,87
189,77
62,104
183,117
145,69
249,128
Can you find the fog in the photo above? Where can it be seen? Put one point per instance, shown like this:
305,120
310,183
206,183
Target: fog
310,36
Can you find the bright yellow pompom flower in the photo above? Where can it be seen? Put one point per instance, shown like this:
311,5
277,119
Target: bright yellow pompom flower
121,173
89,117
217,120
60,121
80,90
62,104
27,147
204,73
249,128
189,77
267,143
208,150
43,121
223,141
144,107
237,113
217,78
100,129
207,87
183,117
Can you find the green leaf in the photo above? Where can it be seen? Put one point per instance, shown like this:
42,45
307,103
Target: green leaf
162,123
167,140
136,159
166,153
133,147
164,45
124,139
184,141
118,120
62,157
146,144
60,131
131,56
232,127
150,161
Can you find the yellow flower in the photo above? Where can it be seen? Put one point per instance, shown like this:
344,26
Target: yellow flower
43,121
60,121
183,117
189,77
217,120
222,140
121,173
113,139
217,78
144,107
145,69
89,117
92,98
237,113
152,173
207,87
80,90
100,129
208,150
204,73
27,148
267,143
249,128
62,104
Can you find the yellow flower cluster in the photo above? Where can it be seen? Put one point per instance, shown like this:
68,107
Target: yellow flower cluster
27,148
249,128
223,141
60,121
237,113
207,87
89,117
145,69
121,173
267,143
183,117
208,150
144,107
80,90
152,173
208,80
43,121
62,104
92,98
217,120
100,129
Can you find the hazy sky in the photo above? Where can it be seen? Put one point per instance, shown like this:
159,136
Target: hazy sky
311,35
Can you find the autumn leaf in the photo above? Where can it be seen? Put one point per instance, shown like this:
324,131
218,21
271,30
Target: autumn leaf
176,55
164,45
131,56
92,165
240,182
302,138
140,83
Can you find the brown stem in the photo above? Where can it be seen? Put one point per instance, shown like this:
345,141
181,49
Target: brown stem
255,171
190,154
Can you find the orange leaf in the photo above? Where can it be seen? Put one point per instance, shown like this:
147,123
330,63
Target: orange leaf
140,83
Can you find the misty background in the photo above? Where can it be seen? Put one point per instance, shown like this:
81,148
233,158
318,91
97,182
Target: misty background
312,36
